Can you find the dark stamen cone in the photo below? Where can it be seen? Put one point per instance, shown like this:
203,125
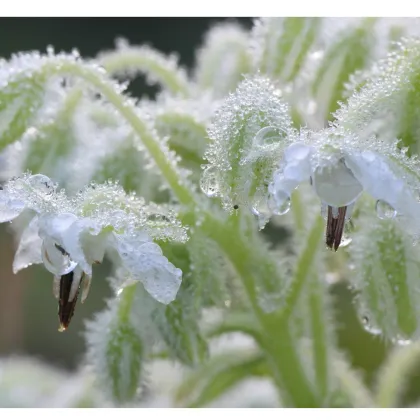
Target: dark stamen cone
66,308
335,227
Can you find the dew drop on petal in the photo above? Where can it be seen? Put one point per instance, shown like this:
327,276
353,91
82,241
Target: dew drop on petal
384,210
283,209
345,241
266,136
10,208
402,342
42,183
209,183
55,261
370,328
260,207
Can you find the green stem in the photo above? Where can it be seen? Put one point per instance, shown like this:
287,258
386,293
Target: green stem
278,345
304,266
146,60
319,336
158,152
298,211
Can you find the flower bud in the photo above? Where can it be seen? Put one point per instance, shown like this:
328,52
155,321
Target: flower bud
385,275
247,138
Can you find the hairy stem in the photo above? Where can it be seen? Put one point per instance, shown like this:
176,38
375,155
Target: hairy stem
148,61
304,266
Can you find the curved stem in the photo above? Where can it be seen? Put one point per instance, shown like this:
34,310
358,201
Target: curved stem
146,60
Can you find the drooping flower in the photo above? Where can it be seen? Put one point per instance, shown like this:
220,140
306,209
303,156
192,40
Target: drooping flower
70,235
340,167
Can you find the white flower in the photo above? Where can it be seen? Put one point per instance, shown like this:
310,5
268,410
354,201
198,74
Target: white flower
340,169
69,236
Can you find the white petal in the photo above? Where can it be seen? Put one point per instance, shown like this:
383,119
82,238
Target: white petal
54,260
379,180
86,282
84,243
29,250
80,238
146,264
77,278
54,225
10,208
56,286
336,185
296,169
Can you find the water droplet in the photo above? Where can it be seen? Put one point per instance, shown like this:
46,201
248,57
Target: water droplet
402,342
345,241
209,183
266,136
284,208
42,183
158,218
384,210
370,328
260,207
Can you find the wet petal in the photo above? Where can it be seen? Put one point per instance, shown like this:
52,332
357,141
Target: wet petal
10,208
55,261
85,243
146,264
54,225
29,250
296,169
82,238
86,282
336,185
381,180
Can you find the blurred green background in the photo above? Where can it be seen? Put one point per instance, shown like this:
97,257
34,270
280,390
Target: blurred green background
28,310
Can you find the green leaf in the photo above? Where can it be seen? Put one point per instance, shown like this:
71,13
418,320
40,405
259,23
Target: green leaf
124,353
178,322
116,348
386,103
350,51
17,116
178,327
280,45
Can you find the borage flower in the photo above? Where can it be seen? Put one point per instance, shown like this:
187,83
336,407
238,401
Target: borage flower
70,235
340,168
